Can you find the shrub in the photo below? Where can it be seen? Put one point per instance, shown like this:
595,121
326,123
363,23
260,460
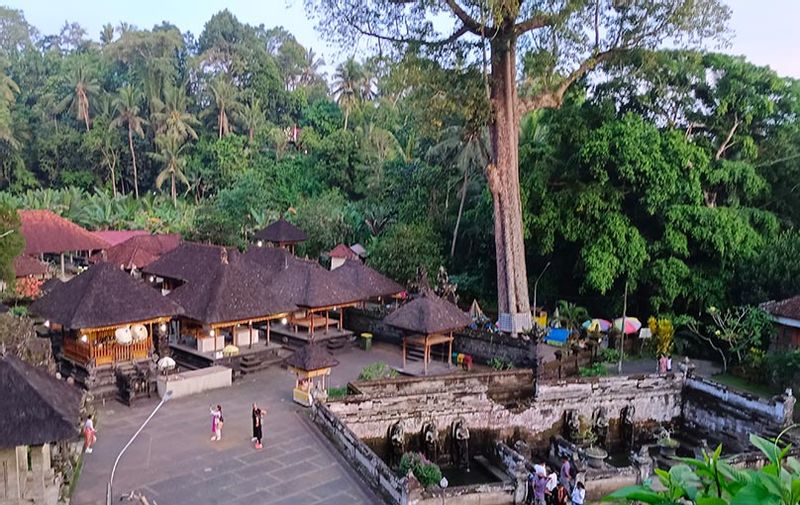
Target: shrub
609,355
375,371
426,472
499,364
595,370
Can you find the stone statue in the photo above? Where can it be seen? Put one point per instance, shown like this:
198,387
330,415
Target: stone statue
397,442
430,441
627,427
460,435
600,426
572,426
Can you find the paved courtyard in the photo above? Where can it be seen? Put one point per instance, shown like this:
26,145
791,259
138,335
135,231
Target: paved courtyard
174,462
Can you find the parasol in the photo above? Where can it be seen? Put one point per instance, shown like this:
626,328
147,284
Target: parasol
596,325
632,325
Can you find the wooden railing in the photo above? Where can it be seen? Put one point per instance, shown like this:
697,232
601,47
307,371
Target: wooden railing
108,353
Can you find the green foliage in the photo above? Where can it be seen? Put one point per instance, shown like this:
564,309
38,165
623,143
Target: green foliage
499,364
427,473
337,392
594,370
12,243
712,481
609,355
401,250
325,218
376,371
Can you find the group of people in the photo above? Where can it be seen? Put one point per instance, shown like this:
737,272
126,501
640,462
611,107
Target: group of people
664,364
258,419
555,489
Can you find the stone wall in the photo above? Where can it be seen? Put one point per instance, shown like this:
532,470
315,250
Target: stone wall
374,471
731,416
503,403
482,346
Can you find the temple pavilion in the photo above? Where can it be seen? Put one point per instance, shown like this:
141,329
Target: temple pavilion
281,233
428,321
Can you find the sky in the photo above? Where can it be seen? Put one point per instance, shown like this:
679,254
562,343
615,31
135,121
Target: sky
765,31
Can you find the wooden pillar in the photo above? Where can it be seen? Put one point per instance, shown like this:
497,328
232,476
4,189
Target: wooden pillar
425,355
312,325
450,352
327,319
341,318
268,322
63,270
404,353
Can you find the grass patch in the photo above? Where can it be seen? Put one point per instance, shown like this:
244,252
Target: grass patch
745,385
337,392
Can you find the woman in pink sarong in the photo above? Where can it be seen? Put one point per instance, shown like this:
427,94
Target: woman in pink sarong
216,423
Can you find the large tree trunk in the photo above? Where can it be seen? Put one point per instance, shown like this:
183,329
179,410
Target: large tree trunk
133,160
503,177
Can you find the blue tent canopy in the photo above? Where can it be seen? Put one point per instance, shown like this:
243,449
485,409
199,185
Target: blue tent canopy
557,336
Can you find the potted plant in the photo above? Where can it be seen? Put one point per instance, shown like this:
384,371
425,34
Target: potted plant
594,455
666,444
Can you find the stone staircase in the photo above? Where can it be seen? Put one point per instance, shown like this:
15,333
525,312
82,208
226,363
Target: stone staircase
250,363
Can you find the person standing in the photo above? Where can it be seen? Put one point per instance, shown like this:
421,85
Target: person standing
258,419
565,476
552,483
539,490
253,415
216,423
89,434
578,494
560,495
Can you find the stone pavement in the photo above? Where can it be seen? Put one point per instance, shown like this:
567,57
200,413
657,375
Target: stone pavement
174,462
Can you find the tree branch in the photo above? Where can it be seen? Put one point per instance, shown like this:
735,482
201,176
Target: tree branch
727,142
541,20
469,22
407,40
552,99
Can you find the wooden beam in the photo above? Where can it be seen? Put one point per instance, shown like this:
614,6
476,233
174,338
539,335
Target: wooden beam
250,328
404,353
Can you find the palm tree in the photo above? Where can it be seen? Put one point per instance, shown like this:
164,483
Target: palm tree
571,315
311,66
467,150
126,109
84,87
225,103
347,86
170,155
107,34
172,115
251,116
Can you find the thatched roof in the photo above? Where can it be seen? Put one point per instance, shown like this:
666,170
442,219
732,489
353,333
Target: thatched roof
49,284
189,261
272,259
25,265
139,251
47,232
281,232
37,407
306,284
312,357
789,308
232,288
101,296
368,282
114,237
428,314
342,251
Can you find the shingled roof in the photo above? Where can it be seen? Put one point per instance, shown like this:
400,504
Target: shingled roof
272,259
114,237
232,288
306,284
25,265
189,261
789,308
101,296
428,314
368,282
48,233
342,251
281,232
37,408
311,357
139,250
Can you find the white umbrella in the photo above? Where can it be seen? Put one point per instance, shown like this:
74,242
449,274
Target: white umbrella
166,363
139,332
123,335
